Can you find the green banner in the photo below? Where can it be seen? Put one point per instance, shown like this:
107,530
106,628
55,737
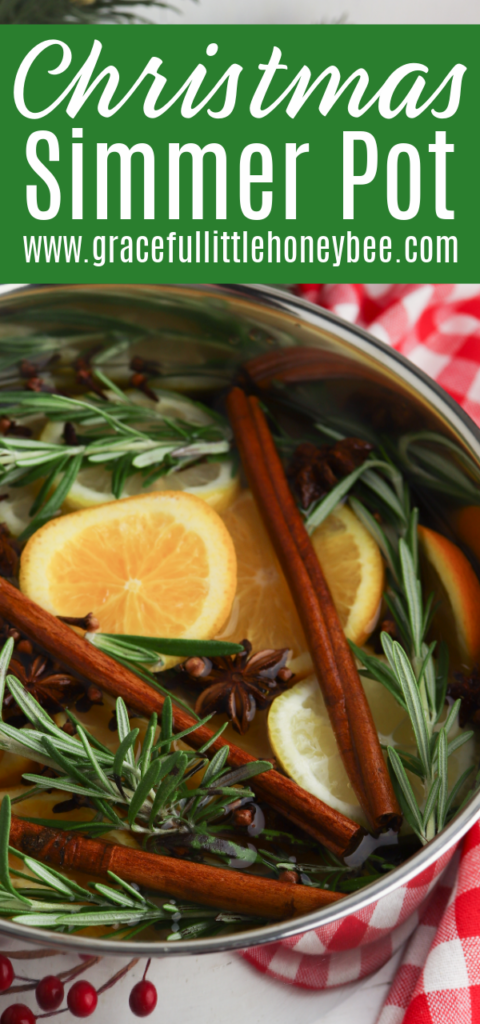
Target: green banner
239,153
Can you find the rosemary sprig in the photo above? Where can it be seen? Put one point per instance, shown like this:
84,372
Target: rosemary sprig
329,872
411,674
54,901
383,480
144,791
441,465
145,650
120,436
15,349
53,355
428,459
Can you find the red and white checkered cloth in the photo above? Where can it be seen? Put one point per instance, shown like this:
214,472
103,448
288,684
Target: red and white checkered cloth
348,950
437,326
438,982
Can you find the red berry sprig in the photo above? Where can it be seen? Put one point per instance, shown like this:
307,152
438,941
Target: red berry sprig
82,998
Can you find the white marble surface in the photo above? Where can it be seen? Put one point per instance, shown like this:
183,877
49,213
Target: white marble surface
218,988
277,12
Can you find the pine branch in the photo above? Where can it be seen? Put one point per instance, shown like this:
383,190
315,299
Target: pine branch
83,12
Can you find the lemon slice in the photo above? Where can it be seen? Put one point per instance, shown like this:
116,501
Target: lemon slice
155,565
303,742
171,404
217,483
353,567
449,575
14,509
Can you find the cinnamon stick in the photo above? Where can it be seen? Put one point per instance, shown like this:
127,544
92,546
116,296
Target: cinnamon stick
327,826
373,772
182,879
301,363
293,365
345,699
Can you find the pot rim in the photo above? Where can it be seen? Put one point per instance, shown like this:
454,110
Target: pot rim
358,340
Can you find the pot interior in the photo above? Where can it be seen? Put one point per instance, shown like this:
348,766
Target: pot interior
200,337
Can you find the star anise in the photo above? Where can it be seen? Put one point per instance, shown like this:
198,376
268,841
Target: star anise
466,687
238,684
47,682
44,678
314,470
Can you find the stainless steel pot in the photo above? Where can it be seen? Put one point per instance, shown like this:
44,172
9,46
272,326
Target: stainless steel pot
219,326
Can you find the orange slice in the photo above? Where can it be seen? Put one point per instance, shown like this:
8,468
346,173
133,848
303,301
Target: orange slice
467,523
263,610
156,565
449,575
353,567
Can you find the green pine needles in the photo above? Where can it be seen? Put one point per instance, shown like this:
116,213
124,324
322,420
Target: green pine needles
76,12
